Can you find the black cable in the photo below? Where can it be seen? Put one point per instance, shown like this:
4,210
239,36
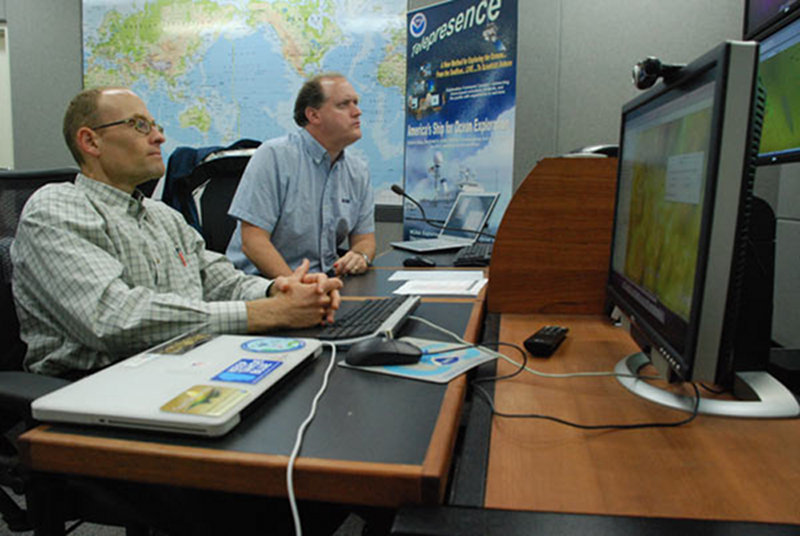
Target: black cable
480,390
713,391
487,397
74,526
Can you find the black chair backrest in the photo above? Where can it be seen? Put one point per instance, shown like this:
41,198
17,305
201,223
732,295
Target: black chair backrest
185,174
223,175
15,189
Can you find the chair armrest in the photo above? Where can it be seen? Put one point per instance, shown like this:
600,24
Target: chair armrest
19,389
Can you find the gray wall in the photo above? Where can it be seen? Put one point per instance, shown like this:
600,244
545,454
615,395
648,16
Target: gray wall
573,71
45,67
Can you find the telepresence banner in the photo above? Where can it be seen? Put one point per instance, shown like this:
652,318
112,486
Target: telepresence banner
460,108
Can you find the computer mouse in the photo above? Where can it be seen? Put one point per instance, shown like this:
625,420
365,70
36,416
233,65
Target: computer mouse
418,260
382,351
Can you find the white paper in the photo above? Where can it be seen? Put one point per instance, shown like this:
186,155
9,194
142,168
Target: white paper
436,275
450,288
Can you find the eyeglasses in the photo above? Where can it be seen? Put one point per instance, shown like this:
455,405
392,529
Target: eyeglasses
139,123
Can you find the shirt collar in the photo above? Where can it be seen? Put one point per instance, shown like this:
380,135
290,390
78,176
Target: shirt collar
132,204
315,149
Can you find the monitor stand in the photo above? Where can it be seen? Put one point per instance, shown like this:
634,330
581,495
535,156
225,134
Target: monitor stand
772,399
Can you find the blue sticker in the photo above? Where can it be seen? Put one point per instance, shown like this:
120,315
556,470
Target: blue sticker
272,345
445,360
247,371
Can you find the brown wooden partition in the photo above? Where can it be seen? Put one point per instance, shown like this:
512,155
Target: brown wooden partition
552,248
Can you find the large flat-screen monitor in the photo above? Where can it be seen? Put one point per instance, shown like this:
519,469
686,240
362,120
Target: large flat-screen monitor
779,70
692,250
760,14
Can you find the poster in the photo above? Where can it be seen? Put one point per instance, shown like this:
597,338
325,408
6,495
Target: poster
460,108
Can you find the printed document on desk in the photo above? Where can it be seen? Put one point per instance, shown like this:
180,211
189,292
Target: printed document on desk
437,368
448,282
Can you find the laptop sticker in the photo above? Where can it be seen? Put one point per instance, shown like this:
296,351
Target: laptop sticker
271,345
183,344
206,400
247,371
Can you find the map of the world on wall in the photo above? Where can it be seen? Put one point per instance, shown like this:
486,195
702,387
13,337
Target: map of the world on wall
215,71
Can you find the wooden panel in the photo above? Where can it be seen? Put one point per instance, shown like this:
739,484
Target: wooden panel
552,248
337,481
712,468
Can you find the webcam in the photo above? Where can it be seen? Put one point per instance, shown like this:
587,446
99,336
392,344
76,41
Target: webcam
648,71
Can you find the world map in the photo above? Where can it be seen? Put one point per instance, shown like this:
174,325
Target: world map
216,71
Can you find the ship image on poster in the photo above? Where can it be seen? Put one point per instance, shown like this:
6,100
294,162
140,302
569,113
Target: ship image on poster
460,108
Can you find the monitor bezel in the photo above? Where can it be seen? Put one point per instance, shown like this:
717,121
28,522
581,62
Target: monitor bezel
768,25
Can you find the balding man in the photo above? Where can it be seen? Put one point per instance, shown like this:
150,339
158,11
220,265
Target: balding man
302,195
102,273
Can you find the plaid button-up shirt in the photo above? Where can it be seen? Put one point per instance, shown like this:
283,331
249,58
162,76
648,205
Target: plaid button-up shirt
100,275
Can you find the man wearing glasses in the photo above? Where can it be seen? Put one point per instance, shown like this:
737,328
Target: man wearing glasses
102,273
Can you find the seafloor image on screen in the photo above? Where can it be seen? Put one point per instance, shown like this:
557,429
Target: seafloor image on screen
668,183
780,75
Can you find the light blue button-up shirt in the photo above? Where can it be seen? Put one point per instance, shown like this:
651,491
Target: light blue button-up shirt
290,190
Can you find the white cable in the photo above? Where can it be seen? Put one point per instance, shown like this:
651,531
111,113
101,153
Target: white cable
528,369
298,529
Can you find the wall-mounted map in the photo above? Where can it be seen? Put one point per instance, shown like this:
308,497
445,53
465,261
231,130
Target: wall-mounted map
215,71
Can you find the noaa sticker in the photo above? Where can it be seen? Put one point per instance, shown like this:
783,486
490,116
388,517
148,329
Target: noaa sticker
272,345
417,25
247,371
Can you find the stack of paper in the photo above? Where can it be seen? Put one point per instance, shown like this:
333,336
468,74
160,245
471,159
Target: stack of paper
449,282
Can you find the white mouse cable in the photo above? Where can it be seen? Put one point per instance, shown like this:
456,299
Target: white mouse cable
298,529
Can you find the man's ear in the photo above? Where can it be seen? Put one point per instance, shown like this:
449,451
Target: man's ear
312,114
88,141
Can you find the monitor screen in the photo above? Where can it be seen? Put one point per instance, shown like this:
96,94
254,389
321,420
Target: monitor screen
760,14
779,71
663,176
684,183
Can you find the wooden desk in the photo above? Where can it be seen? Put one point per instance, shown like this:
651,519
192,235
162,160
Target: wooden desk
713,468
376,441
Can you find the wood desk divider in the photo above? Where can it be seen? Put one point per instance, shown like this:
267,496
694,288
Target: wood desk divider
552,248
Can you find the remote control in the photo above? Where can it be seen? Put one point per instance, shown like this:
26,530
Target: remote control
545,341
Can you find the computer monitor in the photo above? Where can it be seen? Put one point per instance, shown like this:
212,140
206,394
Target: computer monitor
759,14
779,70
692,249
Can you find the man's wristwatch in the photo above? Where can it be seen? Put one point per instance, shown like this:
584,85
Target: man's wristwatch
366,257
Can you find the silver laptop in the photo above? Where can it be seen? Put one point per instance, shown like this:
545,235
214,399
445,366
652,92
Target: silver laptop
468,216
195,384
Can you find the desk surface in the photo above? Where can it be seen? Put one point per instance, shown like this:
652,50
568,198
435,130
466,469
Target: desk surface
360,449
394,258
712,468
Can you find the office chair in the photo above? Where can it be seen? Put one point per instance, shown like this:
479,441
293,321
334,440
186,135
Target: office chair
221,174
200,184
17,388
602,149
